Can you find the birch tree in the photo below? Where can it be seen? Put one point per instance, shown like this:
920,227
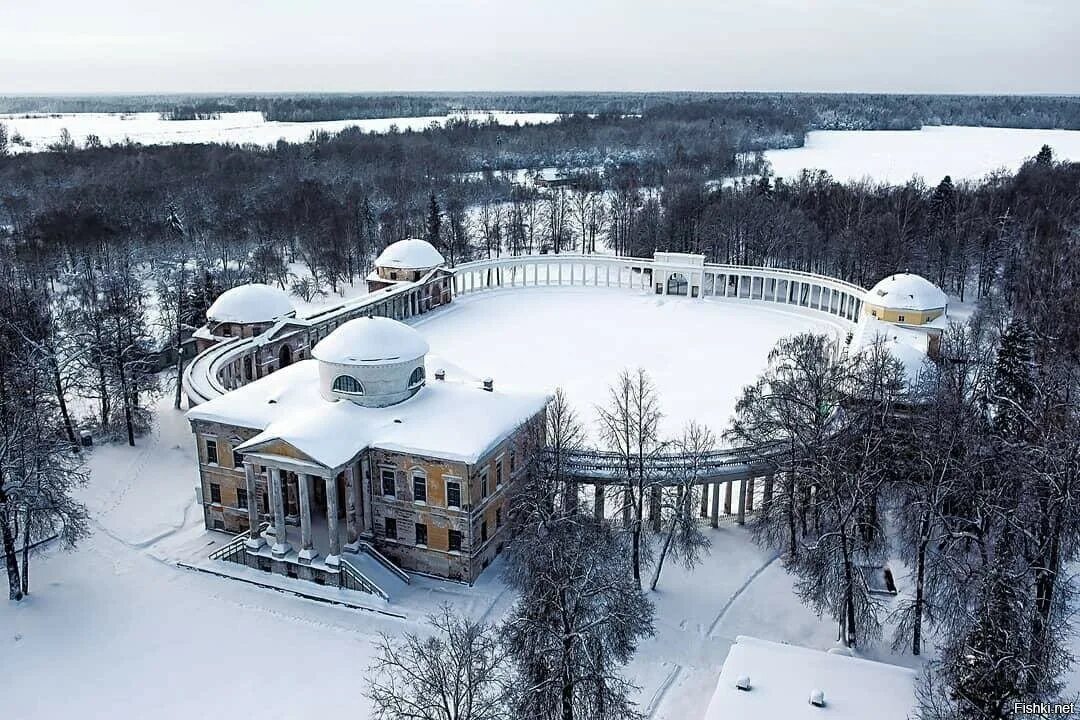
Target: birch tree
629,427
683,537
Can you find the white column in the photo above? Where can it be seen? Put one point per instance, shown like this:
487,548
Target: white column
307,550
281,539
352,525
333,556
742,503
254,540
368,524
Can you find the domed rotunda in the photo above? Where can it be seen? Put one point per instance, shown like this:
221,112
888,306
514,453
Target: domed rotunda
404,261
243,311
250,304
907,299
371,361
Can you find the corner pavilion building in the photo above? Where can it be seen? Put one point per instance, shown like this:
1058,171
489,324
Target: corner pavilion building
908,313
356,452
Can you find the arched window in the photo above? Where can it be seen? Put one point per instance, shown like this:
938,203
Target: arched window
348,384
417,377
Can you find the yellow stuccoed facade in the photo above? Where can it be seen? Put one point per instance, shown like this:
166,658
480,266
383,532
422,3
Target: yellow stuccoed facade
907,317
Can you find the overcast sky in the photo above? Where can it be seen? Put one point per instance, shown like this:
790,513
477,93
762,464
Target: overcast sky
975,46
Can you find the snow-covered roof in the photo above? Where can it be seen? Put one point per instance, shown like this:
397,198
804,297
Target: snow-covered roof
253,303
455,421
371,341
411,254
783,676
907,345
905,291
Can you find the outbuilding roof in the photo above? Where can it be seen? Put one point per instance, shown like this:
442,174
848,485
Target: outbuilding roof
253,303
782,677
371,341
907,291
411,254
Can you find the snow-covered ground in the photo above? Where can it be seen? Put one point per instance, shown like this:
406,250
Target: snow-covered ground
700,353
117,630
238,127
896,155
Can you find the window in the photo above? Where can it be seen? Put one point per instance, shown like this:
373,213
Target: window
453,494
348,384
419,486
266,503
873,313
388,482
417,377
211,452
237,459
215,493
455,540
498,517
498,473
483,484
390,528
483,531
900,318
241,498
513,461
421,534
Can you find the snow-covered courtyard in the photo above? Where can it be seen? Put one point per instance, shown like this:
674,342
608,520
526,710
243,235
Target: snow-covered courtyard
699,353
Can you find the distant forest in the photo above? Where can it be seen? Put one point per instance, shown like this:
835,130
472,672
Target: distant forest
804,111
659,181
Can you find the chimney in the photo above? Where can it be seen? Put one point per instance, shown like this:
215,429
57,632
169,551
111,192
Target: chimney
440,374
743,683
489,384
817,698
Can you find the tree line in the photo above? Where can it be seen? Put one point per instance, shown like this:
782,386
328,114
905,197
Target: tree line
814,111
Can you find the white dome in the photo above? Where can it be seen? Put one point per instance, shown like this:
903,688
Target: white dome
905,291
412,254
371,341
254,303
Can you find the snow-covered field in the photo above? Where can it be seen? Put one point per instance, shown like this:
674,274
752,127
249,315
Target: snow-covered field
896,155
700,353
238,127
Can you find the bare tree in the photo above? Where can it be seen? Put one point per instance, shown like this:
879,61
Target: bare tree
682,536
457,673
629,426
556,215
577,620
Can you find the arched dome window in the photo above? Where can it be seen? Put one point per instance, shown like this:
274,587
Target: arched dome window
417,377
348,384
